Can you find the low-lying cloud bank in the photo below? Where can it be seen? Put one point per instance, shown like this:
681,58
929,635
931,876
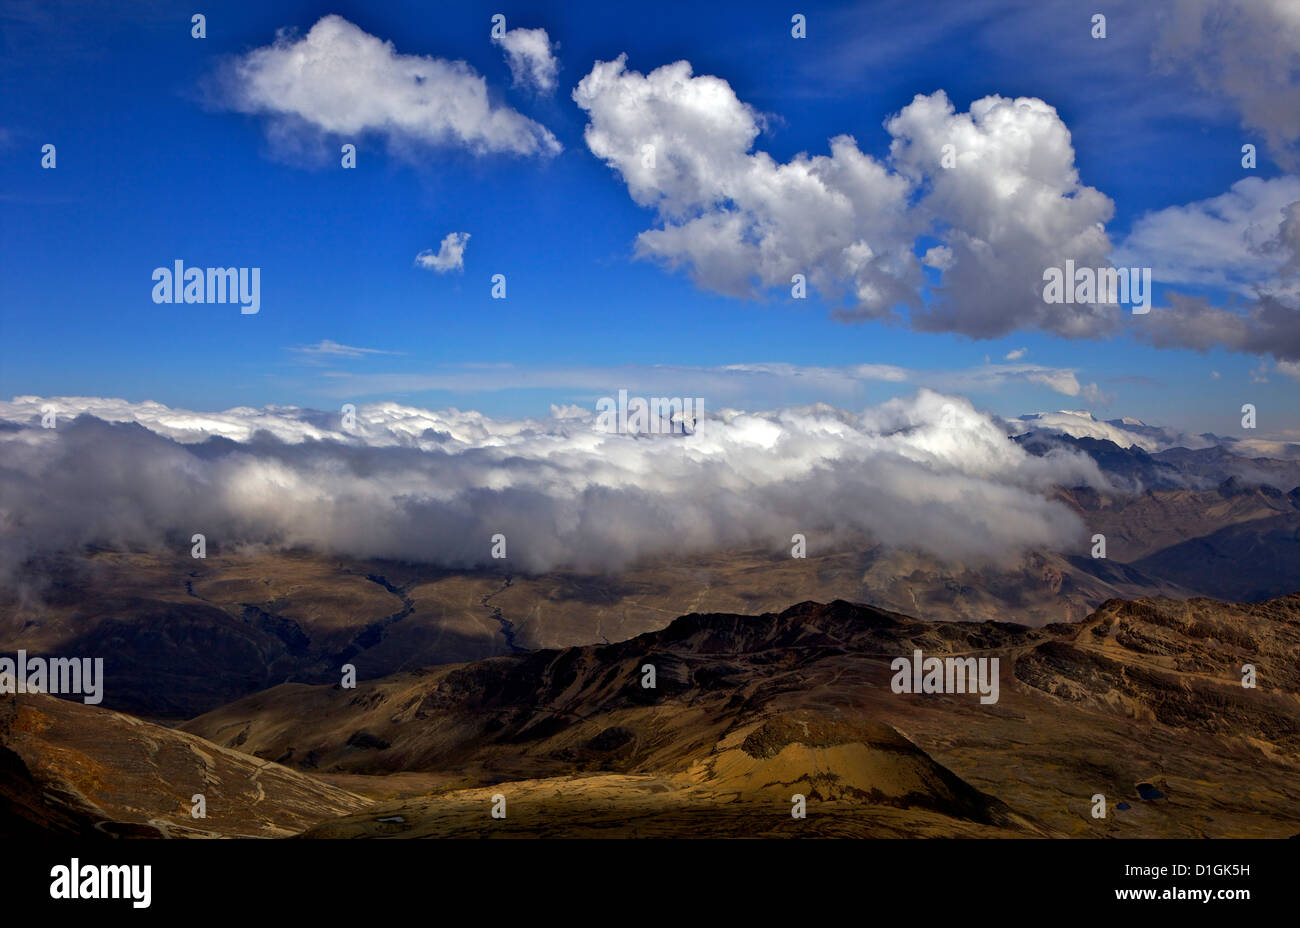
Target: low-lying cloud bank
927,472
1126,433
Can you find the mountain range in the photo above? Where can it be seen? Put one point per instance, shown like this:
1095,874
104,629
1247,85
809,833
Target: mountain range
1142,703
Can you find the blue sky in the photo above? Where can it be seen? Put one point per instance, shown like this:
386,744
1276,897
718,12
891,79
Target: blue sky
153,166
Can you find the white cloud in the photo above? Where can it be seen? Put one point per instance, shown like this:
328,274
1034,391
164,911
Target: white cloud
939,257
531,59
449,257
743,223
344,82
926,472
332,349
1058,379
1081,424
747,384
1011,206
1244,240
1289,368
1016,354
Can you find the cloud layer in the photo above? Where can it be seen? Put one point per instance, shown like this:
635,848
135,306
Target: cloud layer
927,472
762,384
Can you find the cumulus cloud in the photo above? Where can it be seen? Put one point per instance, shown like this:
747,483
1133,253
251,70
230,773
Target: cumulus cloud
450,255
1266,326
1011,205
1016,354
1246,240
1247,51
340,81
1287,241
927,472
531,59
1008,205
741,222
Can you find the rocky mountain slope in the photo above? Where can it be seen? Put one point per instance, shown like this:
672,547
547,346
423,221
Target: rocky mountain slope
72,769
1141,703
